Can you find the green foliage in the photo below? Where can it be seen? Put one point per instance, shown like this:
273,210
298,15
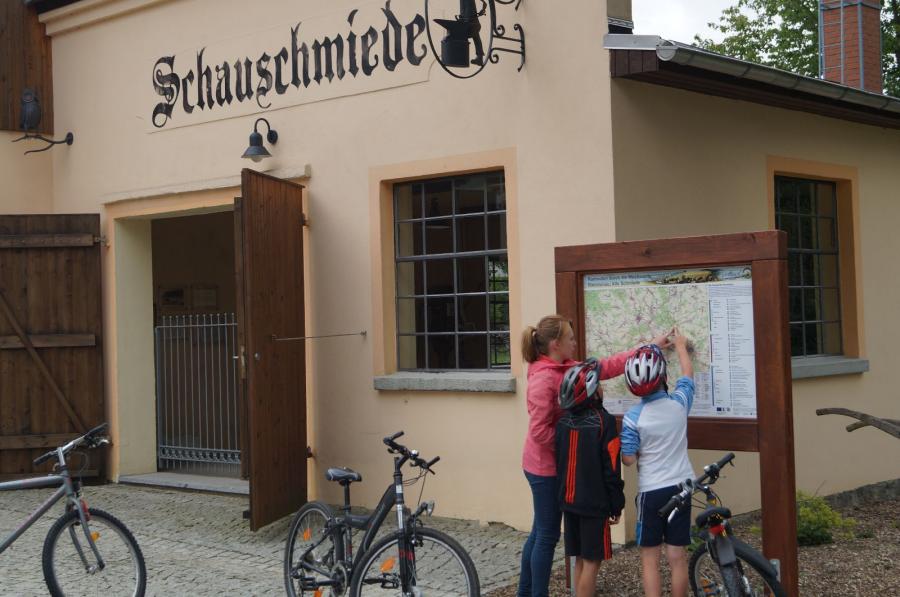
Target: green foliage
756,530
817,521
785,34
696,541
865,533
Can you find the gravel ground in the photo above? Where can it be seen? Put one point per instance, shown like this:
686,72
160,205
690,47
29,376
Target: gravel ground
867,565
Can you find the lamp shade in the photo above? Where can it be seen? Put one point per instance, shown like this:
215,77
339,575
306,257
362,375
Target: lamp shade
256,151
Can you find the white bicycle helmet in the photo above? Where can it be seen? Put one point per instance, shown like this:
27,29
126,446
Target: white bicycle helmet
645,370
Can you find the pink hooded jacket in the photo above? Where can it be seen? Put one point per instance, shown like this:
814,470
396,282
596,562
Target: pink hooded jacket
544,377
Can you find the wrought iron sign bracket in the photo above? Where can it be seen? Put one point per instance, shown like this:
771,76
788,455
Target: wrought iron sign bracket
454,50
68,140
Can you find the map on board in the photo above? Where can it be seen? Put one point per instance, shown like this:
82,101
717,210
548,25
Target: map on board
713,307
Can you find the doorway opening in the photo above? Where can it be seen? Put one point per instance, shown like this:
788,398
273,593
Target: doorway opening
195,339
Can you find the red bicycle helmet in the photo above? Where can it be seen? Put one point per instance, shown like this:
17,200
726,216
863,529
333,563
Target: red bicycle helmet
645,370
580,383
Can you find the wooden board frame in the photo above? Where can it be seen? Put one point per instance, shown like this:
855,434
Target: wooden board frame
772,433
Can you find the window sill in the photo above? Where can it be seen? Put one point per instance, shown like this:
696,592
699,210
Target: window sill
803,368
469,381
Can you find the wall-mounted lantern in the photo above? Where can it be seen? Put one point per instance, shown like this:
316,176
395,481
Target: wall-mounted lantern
256,151
456,45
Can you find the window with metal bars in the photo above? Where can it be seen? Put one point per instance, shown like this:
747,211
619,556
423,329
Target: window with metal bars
807,211
452,274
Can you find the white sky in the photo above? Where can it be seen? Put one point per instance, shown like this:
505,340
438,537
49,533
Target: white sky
677,20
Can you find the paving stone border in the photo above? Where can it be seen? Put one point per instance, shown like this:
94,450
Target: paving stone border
198,544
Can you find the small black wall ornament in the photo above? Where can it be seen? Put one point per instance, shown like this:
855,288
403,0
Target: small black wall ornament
455,46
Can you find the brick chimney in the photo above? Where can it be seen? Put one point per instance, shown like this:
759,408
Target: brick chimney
850,43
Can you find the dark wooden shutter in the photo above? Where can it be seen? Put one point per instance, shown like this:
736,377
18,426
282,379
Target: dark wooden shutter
269,264
24,63
51,331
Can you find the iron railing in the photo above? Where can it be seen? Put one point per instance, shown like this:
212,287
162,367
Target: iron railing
196,394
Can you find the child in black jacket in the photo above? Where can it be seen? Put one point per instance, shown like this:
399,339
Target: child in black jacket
588,467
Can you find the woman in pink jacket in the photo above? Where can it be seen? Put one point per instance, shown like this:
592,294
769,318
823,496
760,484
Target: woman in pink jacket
549,350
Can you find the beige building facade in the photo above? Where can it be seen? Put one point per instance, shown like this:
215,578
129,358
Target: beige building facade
585,158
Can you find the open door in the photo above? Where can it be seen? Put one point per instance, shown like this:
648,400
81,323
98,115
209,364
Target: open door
269,275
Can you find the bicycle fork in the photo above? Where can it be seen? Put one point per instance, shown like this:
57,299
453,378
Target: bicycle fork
721,545
78,504
405,543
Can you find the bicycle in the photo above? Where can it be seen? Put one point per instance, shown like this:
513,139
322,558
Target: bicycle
74,565
411,562
722,564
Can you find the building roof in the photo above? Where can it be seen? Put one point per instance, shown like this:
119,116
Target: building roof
47,5
652,59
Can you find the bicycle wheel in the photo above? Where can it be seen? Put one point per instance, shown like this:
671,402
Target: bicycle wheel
749,576
70,564
307,529
442,568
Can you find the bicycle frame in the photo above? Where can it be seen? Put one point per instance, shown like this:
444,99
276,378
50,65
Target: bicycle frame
69,490
392,498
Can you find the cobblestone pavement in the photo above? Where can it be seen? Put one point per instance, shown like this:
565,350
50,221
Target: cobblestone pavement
199,544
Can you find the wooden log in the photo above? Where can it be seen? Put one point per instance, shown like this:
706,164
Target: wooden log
889,426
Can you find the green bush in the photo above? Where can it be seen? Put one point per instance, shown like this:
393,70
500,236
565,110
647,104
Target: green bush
817,521
696,541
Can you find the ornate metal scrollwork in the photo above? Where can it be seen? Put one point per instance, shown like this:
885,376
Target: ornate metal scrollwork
68,140
466,26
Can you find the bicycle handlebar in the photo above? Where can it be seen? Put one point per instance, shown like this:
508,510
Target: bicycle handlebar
90,439
408,454
710,473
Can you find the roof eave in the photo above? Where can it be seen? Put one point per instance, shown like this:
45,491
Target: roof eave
881,110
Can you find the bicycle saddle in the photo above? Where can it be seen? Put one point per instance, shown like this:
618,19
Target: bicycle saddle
703,517
343,475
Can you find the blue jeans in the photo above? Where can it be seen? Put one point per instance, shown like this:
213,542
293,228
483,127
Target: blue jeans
537,555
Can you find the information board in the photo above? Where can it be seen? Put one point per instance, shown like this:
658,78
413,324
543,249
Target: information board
729,294
712,306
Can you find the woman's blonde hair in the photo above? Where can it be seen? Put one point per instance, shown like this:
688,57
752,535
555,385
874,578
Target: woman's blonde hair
536,340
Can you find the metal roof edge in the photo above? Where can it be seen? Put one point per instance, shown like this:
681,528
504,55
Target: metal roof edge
687,55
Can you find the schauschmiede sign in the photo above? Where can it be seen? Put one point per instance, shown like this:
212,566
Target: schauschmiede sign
373,47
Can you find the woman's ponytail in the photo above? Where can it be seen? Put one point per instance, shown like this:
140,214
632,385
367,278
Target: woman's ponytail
529,350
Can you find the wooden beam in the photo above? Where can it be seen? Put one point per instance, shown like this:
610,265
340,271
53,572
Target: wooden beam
50,341
45,241
775,415
42,367
29,442
695,251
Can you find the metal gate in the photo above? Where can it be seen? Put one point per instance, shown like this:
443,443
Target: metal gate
196,394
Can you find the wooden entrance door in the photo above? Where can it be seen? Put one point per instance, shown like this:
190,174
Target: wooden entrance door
269,276
51,330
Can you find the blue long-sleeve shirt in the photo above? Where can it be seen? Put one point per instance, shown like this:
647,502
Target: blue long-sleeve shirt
656,431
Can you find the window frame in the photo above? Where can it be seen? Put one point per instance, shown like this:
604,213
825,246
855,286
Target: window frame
490,334
853,359
820,288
